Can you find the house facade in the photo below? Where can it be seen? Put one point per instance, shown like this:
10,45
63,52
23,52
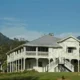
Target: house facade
46,54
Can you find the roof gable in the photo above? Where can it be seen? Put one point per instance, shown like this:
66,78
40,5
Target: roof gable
64,39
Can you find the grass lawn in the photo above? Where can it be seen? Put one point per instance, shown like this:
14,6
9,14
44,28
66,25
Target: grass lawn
39,76
58,76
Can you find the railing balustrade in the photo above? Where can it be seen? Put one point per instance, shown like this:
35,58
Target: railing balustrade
67,63
42,53
51,65
31,53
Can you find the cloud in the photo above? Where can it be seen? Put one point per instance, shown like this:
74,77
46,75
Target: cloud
14,28
8,19
11,19
20,32
62,35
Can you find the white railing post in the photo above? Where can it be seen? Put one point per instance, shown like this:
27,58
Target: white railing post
7,67
49,64
37,62
10,66
18,65
24,64
78,65
24,50
21,65
36,51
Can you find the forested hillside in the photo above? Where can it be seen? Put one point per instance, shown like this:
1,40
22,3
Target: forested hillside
7,44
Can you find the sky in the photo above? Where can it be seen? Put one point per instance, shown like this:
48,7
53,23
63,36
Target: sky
31,19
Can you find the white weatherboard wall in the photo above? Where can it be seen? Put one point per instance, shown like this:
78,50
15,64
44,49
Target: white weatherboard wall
54,52
71,42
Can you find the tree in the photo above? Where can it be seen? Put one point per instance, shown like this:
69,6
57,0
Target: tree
4,66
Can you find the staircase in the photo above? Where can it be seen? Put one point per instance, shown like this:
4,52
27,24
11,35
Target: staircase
61,65
62,68
69,66
50,67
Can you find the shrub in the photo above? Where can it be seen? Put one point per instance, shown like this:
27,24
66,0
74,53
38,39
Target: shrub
1,71
31,71
18,77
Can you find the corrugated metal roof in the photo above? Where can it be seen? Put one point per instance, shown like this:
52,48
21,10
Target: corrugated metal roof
46,40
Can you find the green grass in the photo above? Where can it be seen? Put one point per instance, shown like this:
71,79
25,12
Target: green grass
39,76
56,76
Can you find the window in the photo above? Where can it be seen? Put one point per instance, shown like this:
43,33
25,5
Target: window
40,64
43,49
71,49
30,48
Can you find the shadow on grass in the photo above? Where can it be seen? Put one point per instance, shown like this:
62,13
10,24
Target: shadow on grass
21,78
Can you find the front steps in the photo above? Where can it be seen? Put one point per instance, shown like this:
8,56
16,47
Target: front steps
60,66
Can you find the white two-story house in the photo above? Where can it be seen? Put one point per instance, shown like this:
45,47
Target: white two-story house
46,54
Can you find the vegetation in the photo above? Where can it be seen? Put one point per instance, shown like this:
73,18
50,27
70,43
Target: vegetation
4,66
7,44
31,75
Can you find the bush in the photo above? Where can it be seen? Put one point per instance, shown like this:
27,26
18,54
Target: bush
1,71
31,71
18,76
